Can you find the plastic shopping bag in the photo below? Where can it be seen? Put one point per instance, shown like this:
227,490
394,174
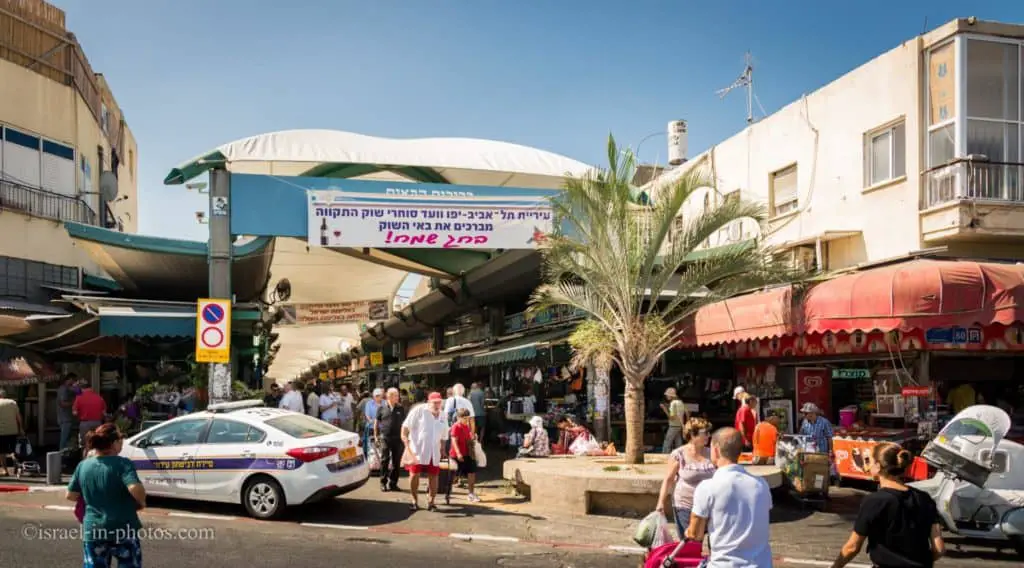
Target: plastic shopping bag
583,446
374,459
653,531
479,455
407,458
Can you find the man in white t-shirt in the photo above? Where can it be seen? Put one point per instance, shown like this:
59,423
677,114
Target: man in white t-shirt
456,401
329,402
292,399
346,410
735,505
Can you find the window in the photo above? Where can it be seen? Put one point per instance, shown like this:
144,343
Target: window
20,278
302,426
942,93
1000,461
177,434
993,100
227,432
784,191
885,154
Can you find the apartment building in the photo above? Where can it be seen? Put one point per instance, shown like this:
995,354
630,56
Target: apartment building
918,149
60,131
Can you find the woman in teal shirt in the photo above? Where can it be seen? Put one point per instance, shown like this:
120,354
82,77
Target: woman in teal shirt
113,495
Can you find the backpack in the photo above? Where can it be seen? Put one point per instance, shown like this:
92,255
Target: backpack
23,449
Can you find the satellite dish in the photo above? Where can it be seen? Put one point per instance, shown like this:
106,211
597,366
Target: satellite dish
108,186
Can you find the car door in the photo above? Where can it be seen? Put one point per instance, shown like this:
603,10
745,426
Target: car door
166,457
231,446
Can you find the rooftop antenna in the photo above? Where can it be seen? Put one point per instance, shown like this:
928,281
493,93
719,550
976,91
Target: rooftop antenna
745,81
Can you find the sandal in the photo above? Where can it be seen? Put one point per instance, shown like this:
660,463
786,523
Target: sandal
431,507
414,507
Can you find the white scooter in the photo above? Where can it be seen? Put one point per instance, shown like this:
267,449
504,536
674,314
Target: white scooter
979,487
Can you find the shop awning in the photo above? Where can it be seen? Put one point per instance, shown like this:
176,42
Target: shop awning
920,294
521,349
168,320
19,367
754,316
432,366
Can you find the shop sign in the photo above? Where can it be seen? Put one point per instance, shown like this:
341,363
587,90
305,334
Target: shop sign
851,374
376,359
548,316
812,385
916,391
419,348
334,313
364,213
953,335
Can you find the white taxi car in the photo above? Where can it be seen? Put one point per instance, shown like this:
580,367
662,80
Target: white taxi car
243,452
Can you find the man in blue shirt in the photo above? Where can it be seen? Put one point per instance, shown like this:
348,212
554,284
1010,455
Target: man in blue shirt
477,397
735,506
370,416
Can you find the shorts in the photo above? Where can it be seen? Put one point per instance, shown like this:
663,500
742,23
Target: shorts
421,469
8,444
99,554
465,467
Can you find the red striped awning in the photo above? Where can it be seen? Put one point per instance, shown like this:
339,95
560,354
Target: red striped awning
921,294
753,316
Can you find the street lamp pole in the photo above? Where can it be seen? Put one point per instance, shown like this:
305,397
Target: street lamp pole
219,250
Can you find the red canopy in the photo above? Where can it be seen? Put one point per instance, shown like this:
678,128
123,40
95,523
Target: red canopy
754,316
920,294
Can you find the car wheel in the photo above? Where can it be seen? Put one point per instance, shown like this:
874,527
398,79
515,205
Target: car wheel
263,498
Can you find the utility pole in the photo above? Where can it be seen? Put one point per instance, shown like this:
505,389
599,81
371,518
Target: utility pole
219,247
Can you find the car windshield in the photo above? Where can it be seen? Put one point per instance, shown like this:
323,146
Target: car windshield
302,426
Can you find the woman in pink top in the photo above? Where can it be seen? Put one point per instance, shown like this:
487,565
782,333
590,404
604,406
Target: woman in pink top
688,465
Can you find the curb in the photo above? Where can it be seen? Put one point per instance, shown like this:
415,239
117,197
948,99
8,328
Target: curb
463,537
14,489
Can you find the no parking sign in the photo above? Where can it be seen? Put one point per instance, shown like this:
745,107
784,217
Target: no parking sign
213,331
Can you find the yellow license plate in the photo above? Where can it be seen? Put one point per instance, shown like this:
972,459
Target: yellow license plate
348,453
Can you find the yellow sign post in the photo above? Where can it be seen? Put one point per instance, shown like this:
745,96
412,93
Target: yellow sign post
213,331
376,358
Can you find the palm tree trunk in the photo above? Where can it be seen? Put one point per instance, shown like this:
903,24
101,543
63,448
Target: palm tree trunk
634,420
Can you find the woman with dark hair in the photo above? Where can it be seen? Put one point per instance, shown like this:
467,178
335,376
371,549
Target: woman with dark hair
113,496
899,523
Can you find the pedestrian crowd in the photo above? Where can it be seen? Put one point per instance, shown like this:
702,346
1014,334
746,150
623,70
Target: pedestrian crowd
711,495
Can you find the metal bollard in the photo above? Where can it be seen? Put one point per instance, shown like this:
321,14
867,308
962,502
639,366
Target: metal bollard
54,467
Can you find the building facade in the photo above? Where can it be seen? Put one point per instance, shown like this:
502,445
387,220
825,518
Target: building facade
61,129
916,150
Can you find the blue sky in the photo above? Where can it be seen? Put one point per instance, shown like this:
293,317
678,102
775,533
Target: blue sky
558,75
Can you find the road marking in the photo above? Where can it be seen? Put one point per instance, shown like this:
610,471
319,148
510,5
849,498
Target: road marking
487,537
202,516
335,527
805,562
59,507
628,549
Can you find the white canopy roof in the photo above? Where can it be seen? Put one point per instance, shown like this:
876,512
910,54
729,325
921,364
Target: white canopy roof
321,275
464,161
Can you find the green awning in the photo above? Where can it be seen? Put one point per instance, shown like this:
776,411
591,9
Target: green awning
521,349
160,322
432,366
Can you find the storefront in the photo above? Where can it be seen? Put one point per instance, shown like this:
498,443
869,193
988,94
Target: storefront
884,352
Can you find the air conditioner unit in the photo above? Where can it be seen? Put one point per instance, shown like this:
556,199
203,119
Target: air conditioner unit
804,258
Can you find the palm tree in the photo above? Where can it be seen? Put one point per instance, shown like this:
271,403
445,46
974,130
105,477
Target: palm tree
618,259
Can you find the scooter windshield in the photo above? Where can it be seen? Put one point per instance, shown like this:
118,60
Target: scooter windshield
958,447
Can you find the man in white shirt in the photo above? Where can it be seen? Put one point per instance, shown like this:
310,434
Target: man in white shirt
292,399
736,506
329,402
313,402
423,433
456,401
346,410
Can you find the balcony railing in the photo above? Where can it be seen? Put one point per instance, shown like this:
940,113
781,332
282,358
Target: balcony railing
47,205
973,179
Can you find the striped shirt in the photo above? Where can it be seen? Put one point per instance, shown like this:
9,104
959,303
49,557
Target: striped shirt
820,432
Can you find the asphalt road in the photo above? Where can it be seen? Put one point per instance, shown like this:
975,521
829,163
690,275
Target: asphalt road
35,538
